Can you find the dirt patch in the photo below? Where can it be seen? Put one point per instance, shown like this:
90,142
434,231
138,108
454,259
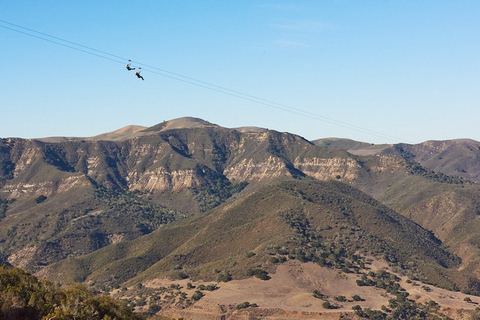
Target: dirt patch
289,295
447,299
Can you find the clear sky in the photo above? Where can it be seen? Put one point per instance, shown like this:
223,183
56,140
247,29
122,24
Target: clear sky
380,71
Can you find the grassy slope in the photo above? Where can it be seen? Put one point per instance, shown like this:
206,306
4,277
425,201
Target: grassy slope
446,205
452,157
352,146
450,211
291,219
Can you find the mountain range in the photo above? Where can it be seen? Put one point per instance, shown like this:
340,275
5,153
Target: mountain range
188,200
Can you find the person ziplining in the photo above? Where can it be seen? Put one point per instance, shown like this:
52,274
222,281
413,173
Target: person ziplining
138,73
129,68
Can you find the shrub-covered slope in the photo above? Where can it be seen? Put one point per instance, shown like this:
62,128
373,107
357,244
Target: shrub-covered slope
329,223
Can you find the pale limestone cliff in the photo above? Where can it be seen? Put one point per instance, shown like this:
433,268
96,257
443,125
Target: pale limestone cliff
332,168
248,170
160,180
46,188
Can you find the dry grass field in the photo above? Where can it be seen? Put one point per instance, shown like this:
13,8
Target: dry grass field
288,295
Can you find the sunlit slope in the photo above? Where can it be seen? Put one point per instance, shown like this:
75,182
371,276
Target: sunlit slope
325,222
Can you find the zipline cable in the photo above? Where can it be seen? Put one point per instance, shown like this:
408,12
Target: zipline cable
203,84
192,81
61,44
57,38
278,106
273,104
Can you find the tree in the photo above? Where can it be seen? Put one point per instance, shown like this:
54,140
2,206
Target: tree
317,294
259,273
246,304
197,295
225,276
22,296
40,199
357,298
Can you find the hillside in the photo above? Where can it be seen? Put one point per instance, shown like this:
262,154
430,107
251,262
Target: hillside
451,157
352,146
256,232
290,219
289,294
437,188
190,199
296,291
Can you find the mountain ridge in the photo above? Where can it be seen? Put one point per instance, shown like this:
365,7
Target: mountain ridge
133,131
139,202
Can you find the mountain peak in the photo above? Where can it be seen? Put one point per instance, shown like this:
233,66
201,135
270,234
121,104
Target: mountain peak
187,123
133,131
181,123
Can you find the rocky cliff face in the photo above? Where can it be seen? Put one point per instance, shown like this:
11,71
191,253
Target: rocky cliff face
170,161
325,169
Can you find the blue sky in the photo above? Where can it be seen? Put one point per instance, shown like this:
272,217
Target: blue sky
374,71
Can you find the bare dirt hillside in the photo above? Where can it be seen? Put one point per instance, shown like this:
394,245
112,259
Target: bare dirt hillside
289,295
120,134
